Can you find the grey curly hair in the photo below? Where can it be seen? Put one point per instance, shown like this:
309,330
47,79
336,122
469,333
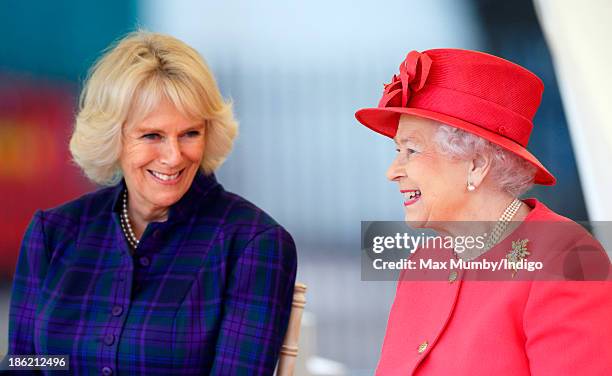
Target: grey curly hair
511,173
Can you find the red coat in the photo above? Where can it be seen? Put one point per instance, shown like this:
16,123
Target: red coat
502,328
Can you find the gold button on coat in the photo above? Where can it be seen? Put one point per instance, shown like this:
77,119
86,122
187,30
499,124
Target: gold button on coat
422,347
452,277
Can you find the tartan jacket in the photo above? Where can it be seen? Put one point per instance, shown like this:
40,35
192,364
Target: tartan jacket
209,291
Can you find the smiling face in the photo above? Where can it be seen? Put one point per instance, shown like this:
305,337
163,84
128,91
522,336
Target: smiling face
160,157
433,185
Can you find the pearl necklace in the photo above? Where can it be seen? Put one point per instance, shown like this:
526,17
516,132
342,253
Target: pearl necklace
126,226
500,227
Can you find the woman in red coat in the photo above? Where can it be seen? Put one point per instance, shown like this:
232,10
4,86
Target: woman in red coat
461,121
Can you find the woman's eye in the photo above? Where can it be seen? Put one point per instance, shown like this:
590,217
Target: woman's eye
151,136
192,134
408,151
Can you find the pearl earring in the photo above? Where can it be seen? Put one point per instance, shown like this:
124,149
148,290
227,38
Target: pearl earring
470,187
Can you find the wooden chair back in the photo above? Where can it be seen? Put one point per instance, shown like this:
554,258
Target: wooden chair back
289,349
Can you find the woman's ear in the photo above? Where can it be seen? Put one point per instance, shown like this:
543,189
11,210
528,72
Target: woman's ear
479,167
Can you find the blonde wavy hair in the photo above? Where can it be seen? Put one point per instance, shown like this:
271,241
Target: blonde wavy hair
126,84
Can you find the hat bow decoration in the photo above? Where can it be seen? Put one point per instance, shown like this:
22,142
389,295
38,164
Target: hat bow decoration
413,72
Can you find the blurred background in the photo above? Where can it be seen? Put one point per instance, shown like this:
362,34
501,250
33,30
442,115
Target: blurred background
297,71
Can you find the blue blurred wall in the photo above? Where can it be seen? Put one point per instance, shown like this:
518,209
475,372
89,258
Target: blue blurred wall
59,39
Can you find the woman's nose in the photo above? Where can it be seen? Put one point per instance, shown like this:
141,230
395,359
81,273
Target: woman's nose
395,170
171,152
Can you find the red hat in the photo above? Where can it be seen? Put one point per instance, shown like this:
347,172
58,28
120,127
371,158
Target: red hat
477,92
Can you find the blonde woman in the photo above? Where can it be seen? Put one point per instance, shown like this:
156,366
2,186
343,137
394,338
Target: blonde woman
162,271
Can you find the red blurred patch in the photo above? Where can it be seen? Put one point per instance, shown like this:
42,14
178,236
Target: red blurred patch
36,172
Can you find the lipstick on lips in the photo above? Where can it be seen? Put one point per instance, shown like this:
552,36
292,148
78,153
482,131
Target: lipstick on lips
410,196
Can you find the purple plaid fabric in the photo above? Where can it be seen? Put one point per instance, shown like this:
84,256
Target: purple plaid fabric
208,291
